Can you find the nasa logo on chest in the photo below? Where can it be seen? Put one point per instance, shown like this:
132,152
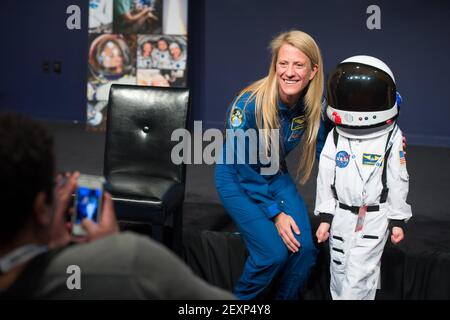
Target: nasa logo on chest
342,159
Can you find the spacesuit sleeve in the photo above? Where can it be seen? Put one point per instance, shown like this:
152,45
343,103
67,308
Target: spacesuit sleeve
398,183
325,200
254,184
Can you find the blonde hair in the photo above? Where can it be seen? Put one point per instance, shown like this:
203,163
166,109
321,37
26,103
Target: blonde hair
266,96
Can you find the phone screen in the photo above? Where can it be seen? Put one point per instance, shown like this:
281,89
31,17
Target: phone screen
88,203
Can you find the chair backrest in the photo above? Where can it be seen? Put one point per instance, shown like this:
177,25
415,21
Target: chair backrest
139,125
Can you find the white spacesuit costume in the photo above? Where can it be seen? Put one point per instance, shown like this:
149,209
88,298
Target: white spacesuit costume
362,184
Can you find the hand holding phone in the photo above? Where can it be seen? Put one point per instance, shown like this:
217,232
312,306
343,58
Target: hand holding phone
88,202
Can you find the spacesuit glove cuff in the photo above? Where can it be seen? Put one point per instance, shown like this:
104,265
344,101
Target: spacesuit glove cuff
396,223
326,217
273,210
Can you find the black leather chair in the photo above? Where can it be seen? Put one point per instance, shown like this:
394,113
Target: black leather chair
147,187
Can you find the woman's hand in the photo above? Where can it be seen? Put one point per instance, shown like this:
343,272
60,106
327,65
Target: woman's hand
322,232
285,224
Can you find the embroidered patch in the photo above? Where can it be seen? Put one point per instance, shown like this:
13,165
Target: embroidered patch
342,159
237,119
402,157
370,159
297,123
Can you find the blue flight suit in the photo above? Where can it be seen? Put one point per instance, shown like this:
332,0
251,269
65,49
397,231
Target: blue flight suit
253,200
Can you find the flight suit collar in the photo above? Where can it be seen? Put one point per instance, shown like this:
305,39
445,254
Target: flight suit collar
365,134
295,108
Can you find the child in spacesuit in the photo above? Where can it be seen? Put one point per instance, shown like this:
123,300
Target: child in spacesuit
362,183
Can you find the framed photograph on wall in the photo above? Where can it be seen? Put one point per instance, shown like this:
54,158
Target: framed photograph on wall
138,42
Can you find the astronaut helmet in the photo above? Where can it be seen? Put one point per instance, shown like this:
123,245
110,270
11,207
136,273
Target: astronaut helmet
110,57
362,94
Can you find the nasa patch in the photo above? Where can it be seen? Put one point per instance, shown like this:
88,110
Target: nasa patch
297,123
237,118
342,159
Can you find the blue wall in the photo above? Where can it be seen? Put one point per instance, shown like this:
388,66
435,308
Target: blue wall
413,41
228,50
34,31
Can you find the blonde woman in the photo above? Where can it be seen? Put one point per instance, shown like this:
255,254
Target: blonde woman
271,216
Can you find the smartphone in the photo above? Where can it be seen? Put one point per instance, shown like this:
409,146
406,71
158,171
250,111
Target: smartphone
88,201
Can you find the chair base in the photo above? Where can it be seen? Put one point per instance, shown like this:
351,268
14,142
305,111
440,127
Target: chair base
171,237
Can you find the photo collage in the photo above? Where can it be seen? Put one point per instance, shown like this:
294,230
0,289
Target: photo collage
138,42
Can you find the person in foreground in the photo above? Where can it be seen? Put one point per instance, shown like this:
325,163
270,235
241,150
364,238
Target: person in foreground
362,183
265,205
37,254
